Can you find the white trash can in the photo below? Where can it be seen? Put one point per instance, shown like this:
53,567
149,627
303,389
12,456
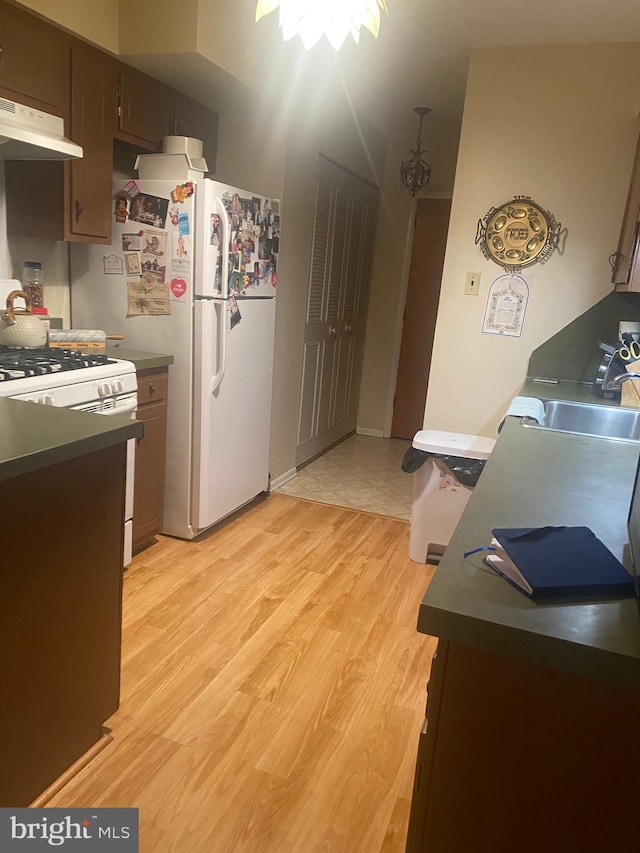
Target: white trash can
439,498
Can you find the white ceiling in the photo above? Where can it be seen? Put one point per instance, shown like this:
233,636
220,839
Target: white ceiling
424,45
422,54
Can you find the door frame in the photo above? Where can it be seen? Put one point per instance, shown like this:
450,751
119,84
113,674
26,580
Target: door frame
402,301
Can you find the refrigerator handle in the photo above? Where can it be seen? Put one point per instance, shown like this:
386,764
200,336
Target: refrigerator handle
221,336
224,248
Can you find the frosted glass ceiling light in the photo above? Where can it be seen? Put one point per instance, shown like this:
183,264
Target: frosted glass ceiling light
311,19
415,173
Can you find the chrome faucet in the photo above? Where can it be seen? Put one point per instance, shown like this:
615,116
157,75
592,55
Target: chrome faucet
621,377
615,375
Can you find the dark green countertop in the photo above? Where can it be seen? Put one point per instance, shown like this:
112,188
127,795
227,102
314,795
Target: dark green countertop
34,437
535,478
142,360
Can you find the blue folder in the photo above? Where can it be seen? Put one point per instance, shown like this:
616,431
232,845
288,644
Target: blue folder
564,562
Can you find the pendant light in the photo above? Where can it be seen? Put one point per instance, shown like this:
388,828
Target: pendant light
311,19
415,173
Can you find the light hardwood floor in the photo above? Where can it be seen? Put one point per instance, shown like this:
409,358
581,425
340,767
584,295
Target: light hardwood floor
273,687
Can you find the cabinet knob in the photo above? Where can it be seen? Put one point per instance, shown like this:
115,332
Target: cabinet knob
347,327
333,331
152,388
78,210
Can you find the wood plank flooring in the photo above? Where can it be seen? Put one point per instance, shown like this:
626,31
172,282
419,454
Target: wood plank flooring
272,687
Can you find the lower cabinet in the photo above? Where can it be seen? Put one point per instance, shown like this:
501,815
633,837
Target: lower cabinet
150,456
60,616
519,756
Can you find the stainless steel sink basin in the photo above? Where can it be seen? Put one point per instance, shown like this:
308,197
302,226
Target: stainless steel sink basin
589,419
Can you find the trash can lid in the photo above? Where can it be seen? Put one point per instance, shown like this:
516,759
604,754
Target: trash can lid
454,443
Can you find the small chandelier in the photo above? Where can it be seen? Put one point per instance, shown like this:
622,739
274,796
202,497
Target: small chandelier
415,172
311,19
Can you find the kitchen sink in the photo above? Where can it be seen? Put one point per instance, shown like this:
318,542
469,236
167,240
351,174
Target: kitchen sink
589,419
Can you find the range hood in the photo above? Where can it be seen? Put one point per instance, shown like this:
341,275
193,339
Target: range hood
28,134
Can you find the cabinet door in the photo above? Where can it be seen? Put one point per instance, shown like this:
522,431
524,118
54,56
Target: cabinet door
338,293
33,61
146,109
94,106
194,119
148,500
624,265
426,750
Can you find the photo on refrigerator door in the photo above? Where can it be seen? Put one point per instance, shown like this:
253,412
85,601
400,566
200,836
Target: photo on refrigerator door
215,230
240,283
154,253
149,210
234,312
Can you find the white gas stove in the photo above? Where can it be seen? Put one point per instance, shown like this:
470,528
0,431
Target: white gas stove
67,378
74,380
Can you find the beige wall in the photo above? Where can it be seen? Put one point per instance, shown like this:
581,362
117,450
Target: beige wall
560,125
157,26
94,20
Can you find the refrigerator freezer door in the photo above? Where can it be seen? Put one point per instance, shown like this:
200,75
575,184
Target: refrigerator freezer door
249,238
231,424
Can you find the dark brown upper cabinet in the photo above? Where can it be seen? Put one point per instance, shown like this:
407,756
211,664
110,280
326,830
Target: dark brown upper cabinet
33,62
625,266
147,109
94,115
101,100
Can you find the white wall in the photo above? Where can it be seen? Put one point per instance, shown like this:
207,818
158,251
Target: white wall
560,125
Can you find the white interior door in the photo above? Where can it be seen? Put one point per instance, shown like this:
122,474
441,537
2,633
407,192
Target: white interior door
338,297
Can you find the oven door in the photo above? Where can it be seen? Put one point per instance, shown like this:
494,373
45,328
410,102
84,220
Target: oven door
124,407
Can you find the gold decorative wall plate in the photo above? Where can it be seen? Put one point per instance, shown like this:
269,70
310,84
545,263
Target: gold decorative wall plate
518,233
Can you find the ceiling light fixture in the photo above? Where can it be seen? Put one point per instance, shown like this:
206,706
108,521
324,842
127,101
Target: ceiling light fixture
415,173
311,19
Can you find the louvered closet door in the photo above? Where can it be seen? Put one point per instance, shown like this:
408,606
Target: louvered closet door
336,309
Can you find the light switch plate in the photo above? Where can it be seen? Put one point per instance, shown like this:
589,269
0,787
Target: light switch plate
472,284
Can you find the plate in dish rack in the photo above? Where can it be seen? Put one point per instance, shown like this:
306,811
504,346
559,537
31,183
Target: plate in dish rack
518,233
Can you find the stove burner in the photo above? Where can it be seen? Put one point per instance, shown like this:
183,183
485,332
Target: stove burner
22,363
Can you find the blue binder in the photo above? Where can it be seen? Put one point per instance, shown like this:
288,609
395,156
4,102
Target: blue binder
563,562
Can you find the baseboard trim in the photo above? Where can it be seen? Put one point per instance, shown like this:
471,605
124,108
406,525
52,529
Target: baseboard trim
378,433
283,478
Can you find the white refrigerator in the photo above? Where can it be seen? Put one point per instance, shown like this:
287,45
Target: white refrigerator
192,271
